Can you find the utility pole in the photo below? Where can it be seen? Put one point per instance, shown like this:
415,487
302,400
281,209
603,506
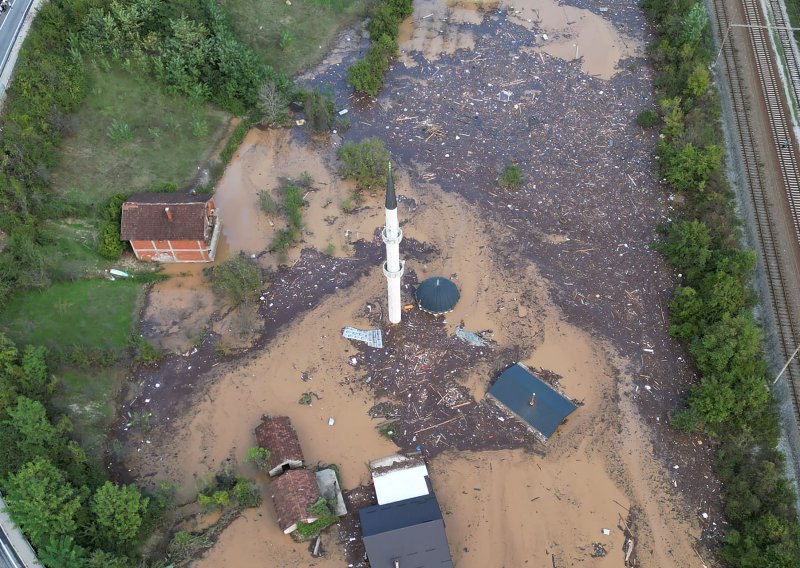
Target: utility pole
752,26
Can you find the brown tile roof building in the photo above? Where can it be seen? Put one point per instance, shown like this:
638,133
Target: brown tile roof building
277,435
165,216
292,494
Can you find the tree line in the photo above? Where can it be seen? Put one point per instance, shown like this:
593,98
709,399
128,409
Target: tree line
68,510
712,308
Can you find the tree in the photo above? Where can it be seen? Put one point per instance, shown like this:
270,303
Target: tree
687,247
271,103
36,381
25,434
42,502
62,552
118,512
690,168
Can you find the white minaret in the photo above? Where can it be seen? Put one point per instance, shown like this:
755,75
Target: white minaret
392,235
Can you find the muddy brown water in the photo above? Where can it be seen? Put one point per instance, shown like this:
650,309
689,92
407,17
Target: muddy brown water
559,270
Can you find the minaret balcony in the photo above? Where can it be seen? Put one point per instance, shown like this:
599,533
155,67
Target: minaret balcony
399,273
392,240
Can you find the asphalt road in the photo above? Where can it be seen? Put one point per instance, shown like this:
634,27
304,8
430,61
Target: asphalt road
10,23
8,559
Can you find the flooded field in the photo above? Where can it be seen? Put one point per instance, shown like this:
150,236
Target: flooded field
557,274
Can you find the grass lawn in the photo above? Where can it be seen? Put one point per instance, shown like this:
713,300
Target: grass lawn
86,315
308,28
130,136
71,250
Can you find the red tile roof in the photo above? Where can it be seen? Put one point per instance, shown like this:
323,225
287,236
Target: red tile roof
145,217
293,493
277,435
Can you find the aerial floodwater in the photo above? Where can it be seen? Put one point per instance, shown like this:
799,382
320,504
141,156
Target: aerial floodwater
557,274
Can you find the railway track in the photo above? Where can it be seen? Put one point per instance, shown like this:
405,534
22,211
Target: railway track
777,275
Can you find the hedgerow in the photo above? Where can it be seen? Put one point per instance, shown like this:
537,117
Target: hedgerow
711,311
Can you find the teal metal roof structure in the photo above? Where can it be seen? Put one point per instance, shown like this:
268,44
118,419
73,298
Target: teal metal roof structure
515,389
437,295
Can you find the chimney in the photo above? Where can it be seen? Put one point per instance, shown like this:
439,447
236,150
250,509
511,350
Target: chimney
168,213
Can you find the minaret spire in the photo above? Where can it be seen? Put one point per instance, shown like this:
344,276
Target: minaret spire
391,199
392,235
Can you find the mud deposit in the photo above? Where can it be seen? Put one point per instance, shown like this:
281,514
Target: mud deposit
557,273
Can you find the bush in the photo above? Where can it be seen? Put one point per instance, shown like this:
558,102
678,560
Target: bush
267,203
238,279
384,21
326,515
511,177
246,493
648,118
258,457
366,162
319,109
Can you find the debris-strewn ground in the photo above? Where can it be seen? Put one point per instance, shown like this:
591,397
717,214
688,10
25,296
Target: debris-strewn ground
557,273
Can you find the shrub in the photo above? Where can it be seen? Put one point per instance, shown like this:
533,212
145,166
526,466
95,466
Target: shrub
322,509
366,162
258,457
238,279
286,41
511,177
267,203
384,21
246,493
319,109
119,131
217,500
648,118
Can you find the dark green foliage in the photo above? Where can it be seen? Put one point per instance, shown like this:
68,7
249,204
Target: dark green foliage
687,247
238,279
648,118
711,311
366,162
246,493
384,21
118,512
109,244
366,75
62,552
192,52
41,502
510,177
293,209
319,110
320,509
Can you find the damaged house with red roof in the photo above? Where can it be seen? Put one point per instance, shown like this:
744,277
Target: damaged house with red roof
171,227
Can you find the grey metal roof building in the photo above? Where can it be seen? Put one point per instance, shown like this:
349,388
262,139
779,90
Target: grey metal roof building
406,534
531,399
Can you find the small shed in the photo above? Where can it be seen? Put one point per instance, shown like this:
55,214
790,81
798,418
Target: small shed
531,399
437,295
171,227
292,494
277,435
397,478
406,533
